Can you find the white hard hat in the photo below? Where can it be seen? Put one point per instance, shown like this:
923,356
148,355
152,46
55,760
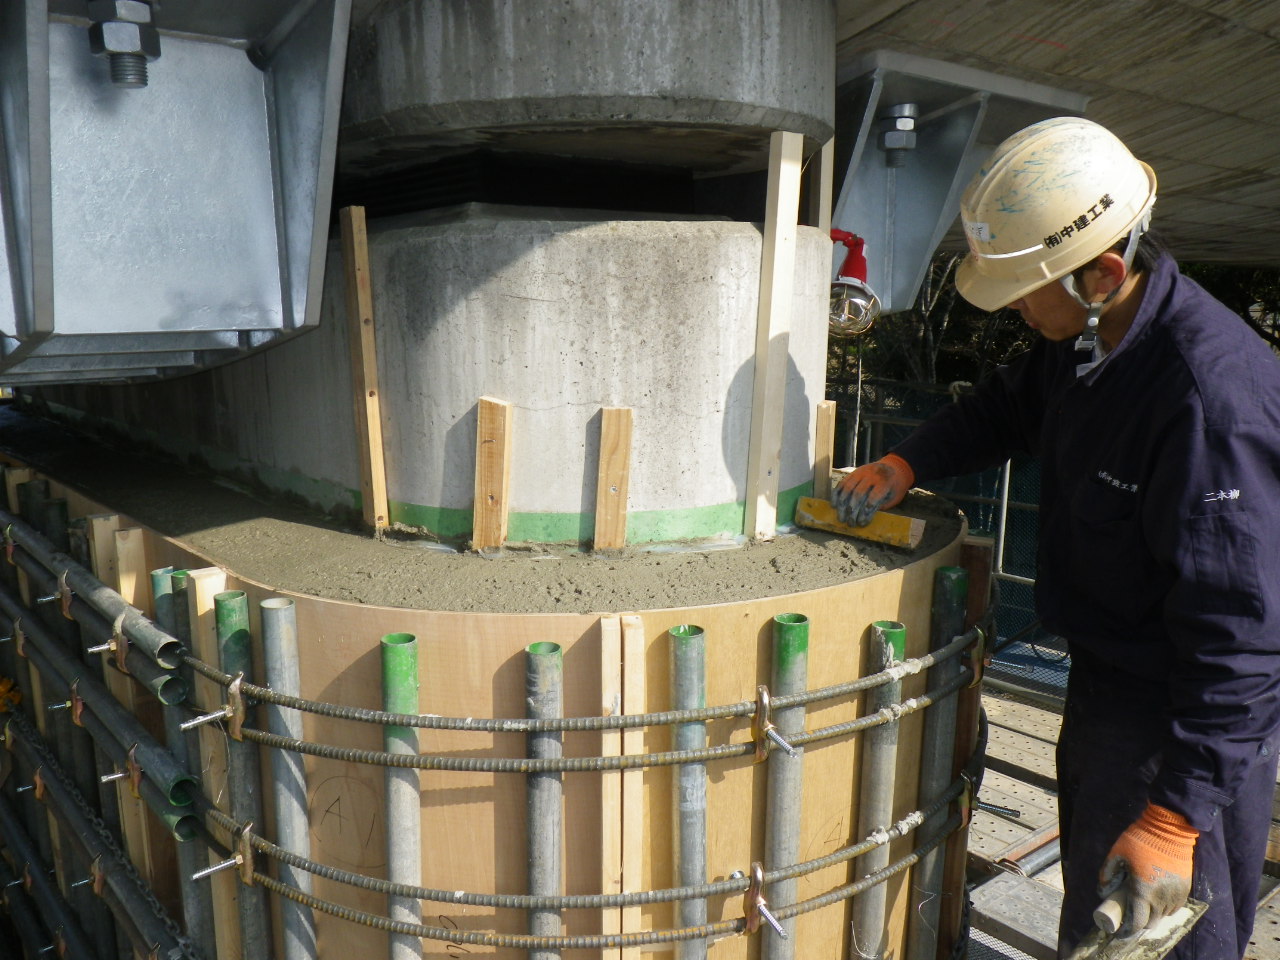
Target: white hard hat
1050,199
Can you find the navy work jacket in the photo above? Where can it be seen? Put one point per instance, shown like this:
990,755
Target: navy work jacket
1159,546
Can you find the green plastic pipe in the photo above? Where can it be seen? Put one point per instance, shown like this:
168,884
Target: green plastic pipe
782,814
404,824
244,776
197,897
937,747
689,692
887,644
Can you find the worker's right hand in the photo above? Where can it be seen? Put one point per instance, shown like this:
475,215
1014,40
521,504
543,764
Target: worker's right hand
872,486
1153,858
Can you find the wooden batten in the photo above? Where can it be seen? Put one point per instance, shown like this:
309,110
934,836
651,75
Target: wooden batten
821,183
773,333
619,831
612,478
493,472
101,530
363,346
12,477
203,585
635,820
824,447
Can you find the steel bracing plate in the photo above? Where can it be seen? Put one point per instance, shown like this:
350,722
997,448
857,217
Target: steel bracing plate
186,218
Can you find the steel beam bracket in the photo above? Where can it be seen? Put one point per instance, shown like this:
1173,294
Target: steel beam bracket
977,656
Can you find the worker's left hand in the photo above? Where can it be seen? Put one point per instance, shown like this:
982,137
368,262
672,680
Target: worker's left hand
873,485
1153,858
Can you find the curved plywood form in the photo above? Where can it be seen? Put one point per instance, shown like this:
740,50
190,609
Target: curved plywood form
618,825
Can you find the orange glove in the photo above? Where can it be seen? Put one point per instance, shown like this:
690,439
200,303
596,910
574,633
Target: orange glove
1153,860
874,485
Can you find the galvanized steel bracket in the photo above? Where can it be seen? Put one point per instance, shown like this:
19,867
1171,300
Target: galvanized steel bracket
966,801
244,854
77,704
64,596
761,724
235,708
135,773
754,905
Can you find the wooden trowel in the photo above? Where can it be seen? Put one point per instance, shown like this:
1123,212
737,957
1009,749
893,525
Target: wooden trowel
886,527
1152,944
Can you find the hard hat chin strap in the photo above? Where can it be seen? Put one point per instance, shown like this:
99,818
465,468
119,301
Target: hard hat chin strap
1089,337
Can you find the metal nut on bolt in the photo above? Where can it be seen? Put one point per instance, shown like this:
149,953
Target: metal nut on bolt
898,132
130,11
124,34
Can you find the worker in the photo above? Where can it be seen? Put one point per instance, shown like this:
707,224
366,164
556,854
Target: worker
1155,413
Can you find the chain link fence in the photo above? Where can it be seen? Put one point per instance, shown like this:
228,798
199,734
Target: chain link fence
873,416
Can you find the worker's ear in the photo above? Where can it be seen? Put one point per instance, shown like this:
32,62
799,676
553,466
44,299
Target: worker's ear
1105,274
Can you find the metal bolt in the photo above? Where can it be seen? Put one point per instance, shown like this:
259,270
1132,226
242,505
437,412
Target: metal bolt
59,706
898,133
216,868
772,921
112,777
122,32
207,718
772,734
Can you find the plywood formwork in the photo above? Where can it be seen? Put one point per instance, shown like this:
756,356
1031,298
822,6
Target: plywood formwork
473,824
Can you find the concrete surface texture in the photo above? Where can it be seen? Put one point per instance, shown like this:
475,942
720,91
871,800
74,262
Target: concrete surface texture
564,317
662,81
559,317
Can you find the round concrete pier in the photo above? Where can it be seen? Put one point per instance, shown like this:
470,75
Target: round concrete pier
698,85
560,318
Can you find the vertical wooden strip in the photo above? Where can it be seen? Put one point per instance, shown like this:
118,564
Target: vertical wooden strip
363,346
128,559
634,833
773,334
12,477
612,478
203,586
824,448
821,177
493,472
133,578
977,556
102,530
611,780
